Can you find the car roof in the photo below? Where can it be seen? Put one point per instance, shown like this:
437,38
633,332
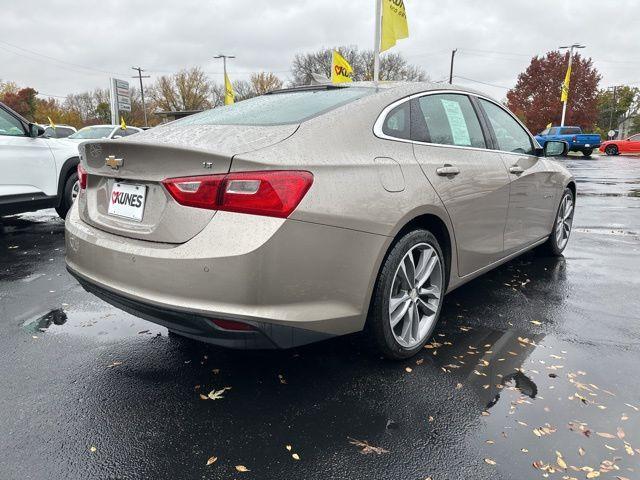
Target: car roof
401,88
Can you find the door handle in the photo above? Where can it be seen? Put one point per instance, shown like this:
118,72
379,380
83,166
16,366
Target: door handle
447,170
516,169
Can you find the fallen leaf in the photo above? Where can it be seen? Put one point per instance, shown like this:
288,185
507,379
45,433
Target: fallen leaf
242,468
408,370
217,394
203,397
489,461
366,447
92,449
620,433
593,474
114,364
581,451
605,435
288,447
283,381
212,460
561,463
629,450
632,406
536,322
295,456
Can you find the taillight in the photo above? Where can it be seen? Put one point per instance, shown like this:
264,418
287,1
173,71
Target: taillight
232,325
82,177
273,193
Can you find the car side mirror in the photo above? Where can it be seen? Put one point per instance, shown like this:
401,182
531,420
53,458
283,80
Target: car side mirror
35,130
555,148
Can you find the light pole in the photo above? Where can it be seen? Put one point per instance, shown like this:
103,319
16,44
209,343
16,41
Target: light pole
224,68
140,77
571,48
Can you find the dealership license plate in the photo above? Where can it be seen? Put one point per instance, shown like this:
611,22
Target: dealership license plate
127,200
587,144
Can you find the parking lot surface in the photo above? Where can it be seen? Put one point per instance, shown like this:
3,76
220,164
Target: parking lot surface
532,371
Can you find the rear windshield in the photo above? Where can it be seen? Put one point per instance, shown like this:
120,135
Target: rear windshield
278,108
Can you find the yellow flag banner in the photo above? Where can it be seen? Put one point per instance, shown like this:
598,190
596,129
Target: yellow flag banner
394,23
564,96
340,69
229,96
51,124
549,125
123,125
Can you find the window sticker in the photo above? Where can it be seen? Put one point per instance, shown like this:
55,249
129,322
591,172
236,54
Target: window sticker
457,122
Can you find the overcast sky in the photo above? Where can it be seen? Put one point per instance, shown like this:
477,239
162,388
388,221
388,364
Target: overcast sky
495,39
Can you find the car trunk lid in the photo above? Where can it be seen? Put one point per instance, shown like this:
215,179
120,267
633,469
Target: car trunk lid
140,163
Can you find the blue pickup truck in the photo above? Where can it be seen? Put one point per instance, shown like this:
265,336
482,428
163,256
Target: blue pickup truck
578,141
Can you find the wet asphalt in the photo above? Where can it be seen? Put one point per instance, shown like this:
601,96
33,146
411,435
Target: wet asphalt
532,372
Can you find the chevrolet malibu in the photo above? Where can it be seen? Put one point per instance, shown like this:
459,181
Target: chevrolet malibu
313,212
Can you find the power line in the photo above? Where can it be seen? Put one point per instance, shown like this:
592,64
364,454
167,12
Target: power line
55,59
483,83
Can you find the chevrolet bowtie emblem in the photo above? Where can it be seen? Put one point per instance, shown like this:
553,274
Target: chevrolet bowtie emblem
113,162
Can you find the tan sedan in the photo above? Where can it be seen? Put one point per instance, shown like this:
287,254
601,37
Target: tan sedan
313,212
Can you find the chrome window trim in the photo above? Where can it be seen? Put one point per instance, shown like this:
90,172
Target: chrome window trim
377,126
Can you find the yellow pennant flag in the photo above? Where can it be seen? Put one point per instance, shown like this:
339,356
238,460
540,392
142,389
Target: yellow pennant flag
51,124
564,96
123,125
549,125
394,23
229,96
340,69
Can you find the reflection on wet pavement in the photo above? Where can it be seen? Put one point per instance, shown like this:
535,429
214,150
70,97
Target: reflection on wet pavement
530,374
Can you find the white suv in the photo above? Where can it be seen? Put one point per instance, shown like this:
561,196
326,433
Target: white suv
35,172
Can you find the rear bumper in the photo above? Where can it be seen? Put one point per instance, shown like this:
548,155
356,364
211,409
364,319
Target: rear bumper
313,280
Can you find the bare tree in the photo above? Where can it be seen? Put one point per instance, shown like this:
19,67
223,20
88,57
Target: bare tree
264,82
186,90
393,66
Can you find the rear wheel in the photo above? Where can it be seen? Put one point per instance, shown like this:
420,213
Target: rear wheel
408,295
611,150
69,194
559,237
587,152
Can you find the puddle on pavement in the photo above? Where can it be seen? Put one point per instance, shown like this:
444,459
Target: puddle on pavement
107,324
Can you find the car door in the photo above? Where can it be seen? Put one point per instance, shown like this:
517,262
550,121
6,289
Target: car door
532,191
27,165
450,145
633,144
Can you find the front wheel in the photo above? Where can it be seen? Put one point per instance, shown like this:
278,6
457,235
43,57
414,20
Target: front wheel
559,237
69,194
611,150
587,152
408,295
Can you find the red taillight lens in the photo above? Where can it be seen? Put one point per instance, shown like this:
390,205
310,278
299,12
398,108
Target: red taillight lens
232,325
82,177
272,193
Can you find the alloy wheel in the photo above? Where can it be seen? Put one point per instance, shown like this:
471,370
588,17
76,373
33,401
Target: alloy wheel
75,190
415,296
564,221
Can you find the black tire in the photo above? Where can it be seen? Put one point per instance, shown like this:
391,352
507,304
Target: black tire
611,150
378,322
587,152
551,246
67,195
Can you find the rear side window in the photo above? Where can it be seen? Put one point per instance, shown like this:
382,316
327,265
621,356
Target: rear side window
511,137
571,131
447,119
553,131
396,124
278,108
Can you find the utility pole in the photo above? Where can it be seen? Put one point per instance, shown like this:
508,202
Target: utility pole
140,77
453,54
613,105
571,48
